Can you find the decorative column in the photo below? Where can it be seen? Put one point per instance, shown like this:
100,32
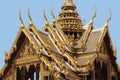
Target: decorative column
41,77
23,76
15,74
109,71
93,76
85,77
32,76
93,73
37,73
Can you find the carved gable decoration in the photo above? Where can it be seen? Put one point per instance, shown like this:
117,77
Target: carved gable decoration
106,47
103,48
26,50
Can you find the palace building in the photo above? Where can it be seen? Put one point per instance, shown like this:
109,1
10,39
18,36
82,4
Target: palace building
67,49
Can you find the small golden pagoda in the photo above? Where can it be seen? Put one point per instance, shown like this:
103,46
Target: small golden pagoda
64,50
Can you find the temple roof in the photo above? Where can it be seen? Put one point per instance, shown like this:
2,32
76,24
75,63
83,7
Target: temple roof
55,43
92,41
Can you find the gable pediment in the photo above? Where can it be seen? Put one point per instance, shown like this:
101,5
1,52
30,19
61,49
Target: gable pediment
106,45
25,50
103,48
23,42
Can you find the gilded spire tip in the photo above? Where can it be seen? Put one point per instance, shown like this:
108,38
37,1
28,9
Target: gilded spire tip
68,1
29,16
94,13
91,21
52,14
45,17
109,16
22,23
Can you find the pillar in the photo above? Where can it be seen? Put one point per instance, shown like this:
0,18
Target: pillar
18,75
40,72
85,77
109,71
23,76
92,74
32,76
37,74
15,74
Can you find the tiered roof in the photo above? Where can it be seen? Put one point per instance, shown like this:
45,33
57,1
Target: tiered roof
71,45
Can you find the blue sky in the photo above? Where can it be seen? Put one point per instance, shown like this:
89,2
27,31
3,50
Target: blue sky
10,24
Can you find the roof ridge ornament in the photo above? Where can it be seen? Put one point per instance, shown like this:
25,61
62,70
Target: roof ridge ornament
45,17
109,18
31,22
52,14
94,15
6,55
22,23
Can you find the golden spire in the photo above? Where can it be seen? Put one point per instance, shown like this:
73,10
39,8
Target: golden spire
22,23
69,2
69,18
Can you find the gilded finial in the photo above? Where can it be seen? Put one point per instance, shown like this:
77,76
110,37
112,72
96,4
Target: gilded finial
52,14
6,55
71,1
45,16
110,16
94,13
22,23
49,44
115,51
68,1
29,16
65,1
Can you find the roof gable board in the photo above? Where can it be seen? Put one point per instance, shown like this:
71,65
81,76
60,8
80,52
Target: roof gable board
111,51
108,42
21,37
45,38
